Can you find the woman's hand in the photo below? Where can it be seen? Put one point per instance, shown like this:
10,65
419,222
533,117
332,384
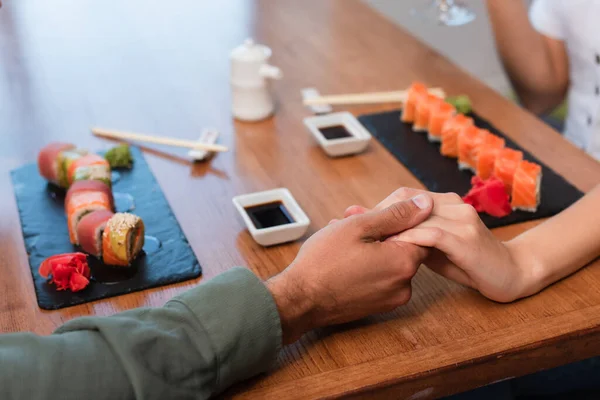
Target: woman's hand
467,252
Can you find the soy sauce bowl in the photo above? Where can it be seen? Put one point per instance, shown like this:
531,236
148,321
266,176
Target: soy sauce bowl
356,140
268,225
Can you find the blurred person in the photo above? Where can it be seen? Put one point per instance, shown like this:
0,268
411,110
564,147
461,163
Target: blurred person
551,55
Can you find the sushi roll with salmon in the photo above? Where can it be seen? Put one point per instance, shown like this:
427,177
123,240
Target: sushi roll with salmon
90,230
423,112
48,160
439,115
64,160
469,142
89,186
486,157
526,187
123,239
450,131
89,167
81,203
416,92
506,165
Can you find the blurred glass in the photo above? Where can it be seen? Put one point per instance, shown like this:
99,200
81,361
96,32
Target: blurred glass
445,12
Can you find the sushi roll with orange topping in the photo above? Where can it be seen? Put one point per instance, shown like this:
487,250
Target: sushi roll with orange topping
123,239
526,187
486,157
416,92
506,165
439,115
469,141
423,112
450,132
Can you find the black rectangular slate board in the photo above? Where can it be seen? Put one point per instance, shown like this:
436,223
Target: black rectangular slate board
45,233
441,174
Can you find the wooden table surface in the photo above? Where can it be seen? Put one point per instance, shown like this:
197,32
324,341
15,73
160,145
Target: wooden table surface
157,67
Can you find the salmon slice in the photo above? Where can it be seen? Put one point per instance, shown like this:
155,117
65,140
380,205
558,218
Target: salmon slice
469,141
486,157
449,136
526,187
423,112
439,115
416,91
505,166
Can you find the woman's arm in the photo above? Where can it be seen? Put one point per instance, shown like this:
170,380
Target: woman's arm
537,65
561,245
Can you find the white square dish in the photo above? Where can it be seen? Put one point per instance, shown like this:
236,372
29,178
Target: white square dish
282,233
357,140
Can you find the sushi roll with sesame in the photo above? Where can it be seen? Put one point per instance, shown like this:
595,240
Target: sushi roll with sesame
123,239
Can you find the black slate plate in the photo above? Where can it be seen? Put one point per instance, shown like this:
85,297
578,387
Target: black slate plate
167,259
441,174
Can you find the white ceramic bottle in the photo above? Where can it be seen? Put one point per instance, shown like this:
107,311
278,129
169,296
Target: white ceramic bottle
250,76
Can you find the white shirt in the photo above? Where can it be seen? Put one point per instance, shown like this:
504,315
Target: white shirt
577,23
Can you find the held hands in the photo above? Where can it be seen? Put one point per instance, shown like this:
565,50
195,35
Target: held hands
466,251
349,270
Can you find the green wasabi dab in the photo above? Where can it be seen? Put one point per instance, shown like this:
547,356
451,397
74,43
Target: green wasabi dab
462,103
119,157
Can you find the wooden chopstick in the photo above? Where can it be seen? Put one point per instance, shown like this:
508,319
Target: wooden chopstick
367,98
158,140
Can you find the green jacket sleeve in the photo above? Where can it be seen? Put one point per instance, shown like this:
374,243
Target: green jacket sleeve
199,343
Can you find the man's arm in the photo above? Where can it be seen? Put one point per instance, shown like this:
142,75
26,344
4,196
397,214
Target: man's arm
537,64
195,346
227,329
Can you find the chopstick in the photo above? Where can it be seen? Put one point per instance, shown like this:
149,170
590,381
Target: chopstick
158,140
367,98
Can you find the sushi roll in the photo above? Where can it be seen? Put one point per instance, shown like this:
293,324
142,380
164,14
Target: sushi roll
416,91
469,141
48,160
450,132
123,239
90,230
65,159
89,167
526,187
82,203
439,115
489,150
89,186
506,165
423,112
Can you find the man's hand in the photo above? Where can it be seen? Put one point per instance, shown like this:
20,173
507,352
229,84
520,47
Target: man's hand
348,271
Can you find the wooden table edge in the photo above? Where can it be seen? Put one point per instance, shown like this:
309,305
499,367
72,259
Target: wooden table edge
357,381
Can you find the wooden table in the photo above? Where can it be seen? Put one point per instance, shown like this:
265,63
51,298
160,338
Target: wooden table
162,68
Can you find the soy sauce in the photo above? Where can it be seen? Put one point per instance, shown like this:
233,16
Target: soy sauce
335,132
270,214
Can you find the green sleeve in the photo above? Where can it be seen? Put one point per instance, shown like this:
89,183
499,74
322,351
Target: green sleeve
198,344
